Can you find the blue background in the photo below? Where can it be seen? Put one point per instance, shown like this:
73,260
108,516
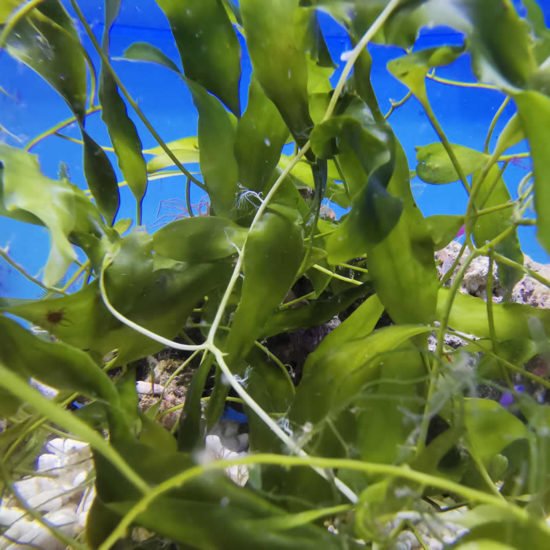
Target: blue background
32,107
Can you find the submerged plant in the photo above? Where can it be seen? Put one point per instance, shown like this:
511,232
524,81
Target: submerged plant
383,425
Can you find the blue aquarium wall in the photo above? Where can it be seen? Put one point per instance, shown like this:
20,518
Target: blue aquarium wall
29,107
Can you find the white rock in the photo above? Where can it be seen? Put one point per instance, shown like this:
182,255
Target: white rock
9,515
79,479
143,387
62,446
83,508
21,531
214,450
56,446
48,462
29,487
47,501
63,518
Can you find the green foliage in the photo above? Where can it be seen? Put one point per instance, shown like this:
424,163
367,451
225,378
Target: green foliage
208,47
123,133
381,422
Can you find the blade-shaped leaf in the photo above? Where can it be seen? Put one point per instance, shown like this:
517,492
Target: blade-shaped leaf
131,269
208,46
273,390
192,514
332,377
122,130
55,56
535,16
363,85
27,195
374,214
275,43
186,151
7,8
495,528
384,421
357,16
191,429
480,418
273,254
199,239
434,165
101,178
216,142
411,69
358,325
493,192
534,113
408,294
443,229
365,151
316,313
500,43
143,51
58,58
53,363
261,134
497,37
511,135
469,315
162,306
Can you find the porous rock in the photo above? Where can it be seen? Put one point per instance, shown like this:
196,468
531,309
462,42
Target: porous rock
527,291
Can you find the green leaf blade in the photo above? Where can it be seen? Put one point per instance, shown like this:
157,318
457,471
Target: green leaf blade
143,51
27,195
402,265
46,40
434,165
274,41
261,134
333,376
199,239
273,254
53,363
122,130
216,144
208,46
534,113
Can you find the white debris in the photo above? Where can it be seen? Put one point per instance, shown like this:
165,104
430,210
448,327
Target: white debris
45,390
344,56
143,387
215,450
224,442
58,491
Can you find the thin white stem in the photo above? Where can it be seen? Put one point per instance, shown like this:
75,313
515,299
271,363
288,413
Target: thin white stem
356,52
239,264
275,428
138,328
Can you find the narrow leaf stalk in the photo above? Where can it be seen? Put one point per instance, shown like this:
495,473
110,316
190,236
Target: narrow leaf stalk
129,323
28,276
53,131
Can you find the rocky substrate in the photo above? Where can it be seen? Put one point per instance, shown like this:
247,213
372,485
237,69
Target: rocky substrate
528,290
